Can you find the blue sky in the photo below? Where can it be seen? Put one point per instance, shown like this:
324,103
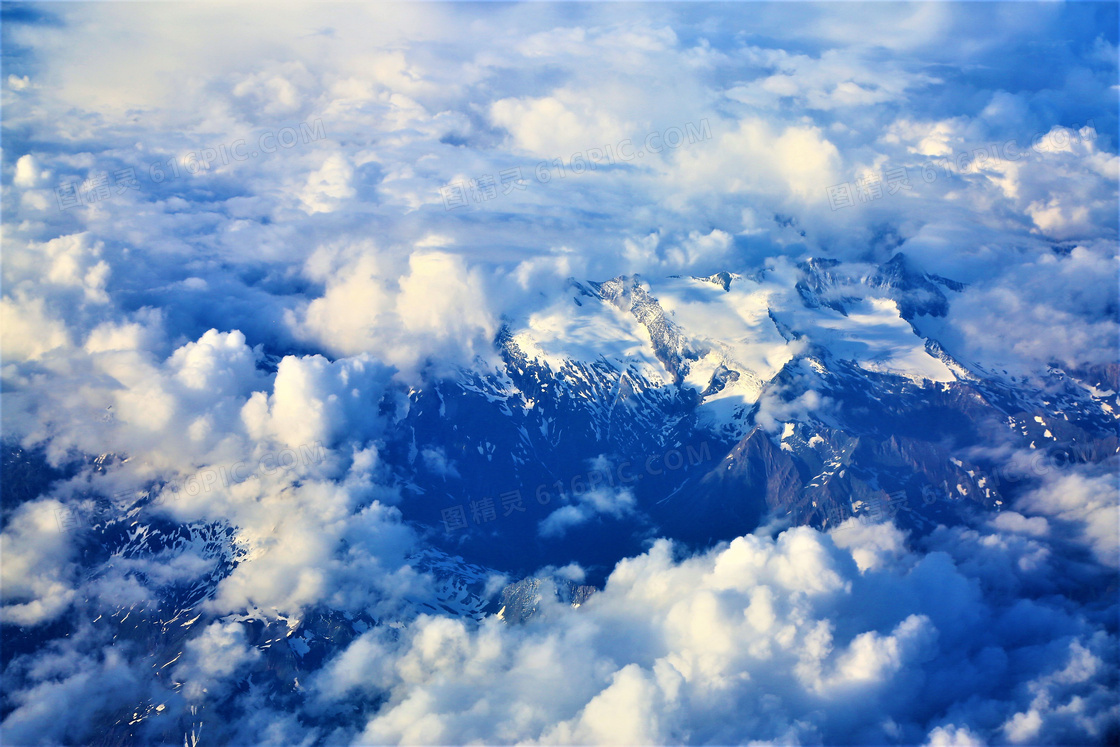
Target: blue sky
386,185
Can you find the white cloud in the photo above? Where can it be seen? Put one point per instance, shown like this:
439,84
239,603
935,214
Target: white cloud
1088,505
329,186
837,79
28,173
438,310
560,125
38,574
72,261
146,325
774,411
436,460
28,330
313,400
757,156
1039,310
951,736
219,652
783,640
597,501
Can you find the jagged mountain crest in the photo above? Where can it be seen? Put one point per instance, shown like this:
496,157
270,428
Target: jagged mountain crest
670,345
832,284
806,431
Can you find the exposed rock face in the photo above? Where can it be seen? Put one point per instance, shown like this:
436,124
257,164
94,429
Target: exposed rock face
524,599
670,346
704,447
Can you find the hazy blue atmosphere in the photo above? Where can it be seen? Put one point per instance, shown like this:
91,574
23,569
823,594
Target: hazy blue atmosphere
583,373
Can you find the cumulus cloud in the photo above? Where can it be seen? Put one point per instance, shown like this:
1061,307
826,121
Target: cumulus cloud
783,640
438,310
597,501
1039,311
29,330
28,173
173,344
780,405
315,400
558,125
218,652
755,155
1086,504
329,186
283,459
38,572
70,687
836,79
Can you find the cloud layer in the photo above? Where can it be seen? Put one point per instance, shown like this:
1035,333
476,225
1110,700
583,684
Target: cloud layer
232,258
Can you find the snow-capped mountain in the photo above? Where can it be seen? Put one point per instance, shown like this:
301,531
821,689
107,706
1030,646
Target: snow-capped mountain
695,408
808,393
